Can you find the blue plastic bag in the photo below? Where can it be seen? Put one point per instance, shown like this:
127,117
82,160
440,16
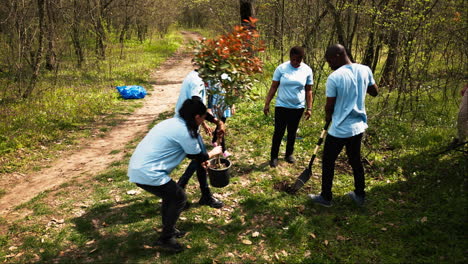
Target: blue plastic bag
131,91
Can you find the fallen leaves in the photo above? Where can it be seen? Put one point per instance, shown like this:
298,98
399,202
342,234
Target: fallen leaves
246,242
133,192
341,238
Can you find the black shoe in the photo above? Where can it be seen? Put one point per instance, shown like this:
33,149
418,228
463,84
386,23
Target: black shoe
290,159
274,163
211,201
169,244
179,233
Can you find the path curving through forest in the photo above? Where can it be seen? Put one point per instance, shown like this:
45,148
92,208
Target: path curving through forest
94,155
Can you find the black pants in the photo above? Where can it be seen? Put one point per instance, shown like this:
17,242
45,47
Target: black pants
173,201
215,135
332,149
201,176
285,118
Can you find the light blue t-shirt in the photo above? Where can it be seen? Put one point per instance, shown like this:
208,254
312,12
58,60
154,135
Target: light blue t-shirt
162,149
349,85
217,100
291,90
192,85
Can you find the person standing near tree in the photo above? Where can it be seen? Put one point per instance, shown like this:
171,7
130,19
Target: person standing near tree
156,156
346,90
216,104
293,80
194,87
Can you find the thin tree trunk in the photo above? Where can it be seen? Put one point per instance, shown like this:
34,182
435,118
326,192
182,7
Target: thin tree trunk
124,30
246,11
37,57
99,29
51,56
339,27
75,35
389,71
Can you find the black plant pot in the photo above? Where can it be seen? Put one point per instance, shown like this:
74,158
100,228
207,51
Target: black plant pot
219,177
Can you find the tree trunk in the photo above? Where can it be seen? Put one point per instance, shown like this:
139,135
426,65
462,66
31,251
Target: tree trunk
51,56
246,10
389,71
99,30
339,28
37,57
124,30
75,35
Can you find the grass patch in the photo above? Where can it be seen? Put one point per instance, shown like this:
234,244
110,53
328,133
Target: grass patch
73,103
415,212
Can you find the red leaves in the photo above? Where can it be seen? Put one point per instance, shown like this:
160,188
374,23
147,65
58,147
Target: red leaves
234,55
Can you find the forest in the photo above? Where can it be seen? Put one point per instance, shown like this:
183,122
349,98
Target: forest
60,61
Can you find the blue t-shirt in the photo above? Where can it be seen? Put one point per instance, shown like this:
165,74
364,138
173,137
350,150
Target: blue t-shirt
292,82
217,100
162,149
349,85
192,85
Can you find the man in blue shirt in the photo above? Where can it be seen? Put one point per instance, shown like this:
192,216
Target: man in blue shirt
346,91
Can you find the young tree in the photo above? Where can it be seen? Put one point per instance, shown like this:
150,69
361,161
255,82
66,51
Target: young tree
230,60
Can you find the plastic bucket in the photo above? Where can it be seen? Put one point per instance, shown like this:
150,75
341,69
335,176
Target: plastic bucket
219,177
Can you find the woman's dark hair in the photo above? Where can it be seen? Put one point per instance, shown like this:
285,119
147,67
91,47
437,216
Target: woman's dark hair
189,110
297,50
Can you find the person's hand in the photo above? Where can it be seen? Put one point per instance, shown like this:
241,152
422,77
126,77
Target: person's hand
266,109
215,151
208,129
307,114
204,164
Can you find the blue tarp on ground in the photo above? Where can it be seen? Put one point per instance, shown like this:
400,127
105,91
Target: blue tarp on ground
131,91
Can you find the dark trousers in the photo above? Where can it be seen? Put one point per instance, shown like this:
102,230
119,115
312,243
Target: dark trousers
332,149
195,166
285,118
173,201
215,135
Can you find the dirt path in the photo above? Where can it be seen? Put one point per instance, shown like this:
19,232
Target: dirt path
94,155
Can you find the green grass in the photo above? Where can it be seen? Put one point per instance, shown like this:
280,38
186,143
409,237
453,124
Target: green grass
415,211
68,105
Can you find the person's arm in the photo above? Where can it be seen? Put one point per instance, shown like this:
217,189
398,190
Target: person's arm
308,98
329,108
372,90
221,127
270,95
203,156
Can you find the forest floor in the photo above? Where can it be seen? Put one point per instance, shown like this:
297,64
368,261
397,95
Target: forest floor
95,154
